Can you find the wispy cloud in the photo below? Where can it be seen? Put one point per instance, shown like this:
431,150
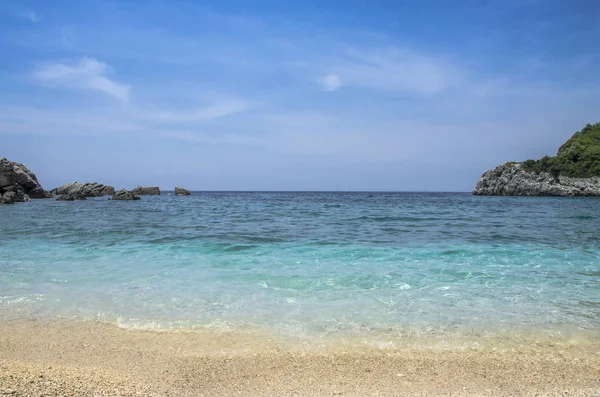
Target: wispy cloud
30,16
331,82
82,74
393,69
218,109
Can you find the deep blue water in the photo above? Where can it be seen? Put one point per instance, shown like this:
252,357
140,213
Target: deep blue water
306,263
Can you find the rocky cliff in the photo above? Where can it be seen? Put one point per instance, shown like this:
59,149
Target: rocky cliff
18,183
512,179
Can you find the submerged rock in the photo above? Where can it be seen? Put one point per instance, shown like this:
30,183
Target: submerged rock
146,191
512,180
18,183
124,195
91,189
179,191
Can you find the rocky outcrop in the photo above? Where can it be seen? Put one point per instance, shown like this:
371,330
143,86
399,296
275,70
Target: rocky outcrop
512,180
91,189
18,183
68,197
124,195
179,191
146,191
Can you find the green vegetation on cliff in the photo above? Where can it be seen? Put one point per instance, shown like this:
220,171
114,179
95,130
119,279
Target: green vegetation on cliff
579,157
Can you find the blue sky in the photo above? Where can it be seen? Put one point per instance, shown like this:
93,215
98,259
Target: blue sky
292,95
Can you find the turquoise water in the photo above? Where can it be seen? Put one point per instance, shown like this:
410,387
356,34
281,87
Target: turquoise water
306,263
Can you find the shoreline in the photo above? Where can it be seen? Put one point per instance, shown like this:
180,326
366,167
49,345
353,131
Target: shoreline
87,358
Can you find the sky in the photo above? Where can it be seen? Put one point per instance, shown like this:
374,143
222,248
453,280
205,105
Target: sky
292,95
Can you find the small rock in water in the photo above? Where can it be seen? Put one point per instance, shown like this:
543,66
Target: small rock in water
70,197
91,189
146,191
124,195
179,191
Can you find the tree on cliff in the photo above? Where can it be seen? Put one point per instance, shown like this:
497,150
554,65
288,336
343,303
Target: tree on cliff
579,157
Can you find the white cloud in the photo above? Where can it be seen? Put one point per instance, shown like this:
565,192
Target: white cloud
331,82
78,119
30,15
82,74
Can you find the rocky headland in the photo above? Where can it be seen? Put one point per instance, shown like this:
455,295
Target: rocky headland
18,183
512,180
574,171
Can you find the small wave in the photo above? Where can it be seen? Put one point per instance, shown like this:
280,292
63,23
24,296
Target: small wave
455,252
19,299
392,218
173,239
591,274
394,230
259,239
500,237
582,217
239,247
593,304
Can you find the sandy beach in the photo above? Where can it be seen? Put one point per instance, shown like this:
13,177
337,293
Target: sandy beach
85,358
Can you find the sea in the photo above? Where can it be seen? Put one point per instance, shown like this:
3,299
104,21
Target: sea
383,269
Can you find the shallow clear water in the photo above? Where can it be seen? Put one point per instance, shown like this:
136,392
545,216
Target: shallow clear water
306,263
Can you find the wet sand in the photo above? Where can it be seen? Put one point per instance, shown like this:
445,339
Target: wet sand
85,358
